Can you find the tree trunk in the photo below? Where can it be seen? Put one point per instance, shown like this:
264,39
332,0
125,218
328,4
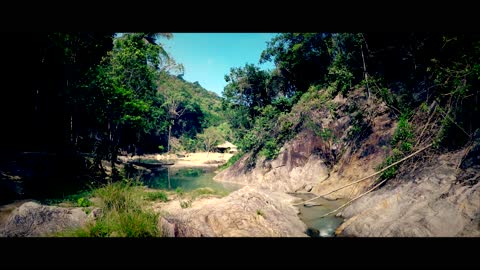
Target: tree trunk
113,149
168,141
71,128
365,71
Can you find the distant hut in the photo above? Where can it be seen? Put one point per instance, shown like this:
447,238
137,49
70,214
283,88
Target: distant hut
227,147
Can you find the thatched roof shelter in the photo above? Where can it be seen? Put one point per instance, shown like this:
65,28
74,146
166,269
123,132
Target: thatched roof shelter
227,146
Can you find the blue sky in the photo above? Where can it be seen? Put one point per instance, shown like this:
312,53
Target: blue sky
208,57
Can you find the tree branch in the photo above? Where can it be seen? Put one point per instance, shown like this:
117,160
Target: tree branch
366,177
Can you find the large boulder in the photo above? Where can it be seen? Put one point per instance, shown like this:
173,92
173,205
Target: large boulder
247,212
295,169
32,220
429,202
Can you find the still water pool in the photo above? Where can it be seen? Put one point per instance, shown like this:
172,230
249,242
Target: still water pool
311,215
187,179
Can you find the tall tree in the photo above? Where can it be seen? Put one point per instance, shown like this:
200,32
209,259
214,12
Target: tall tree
302,58
125,89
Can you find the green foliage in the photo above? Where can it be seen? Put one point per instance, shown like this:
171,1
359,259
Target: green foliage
302,58
185,204
156,195
206,191
179,191
123,213
354,131
424,107
270,149
83,202
123,93
402,142
390,172
346,52
326,134
118,196
232,160
190,172
210,137
120,224
72,199
226,131
404,132
248,87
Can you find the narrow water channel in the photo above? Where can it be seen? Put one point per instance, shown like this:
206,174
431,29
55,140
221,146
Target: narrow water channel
311,215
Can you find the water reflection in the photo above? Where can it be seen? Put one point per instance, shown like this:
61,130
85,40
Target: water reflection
186,178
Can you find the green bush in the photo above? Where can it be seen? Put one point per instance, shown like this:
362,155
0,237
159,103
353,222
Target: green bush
402,142
83,202
270,149
185,204
179,191
156,195
232,160
206,191
123,214
404,131
73,198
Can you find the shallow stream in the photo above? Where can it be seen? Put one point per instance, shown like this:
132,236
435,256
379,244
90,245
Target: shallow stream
311,215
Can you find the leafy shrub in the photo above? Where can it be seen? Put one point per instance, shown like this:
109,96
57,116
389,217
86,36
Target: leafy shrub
270,150
402,142
123,214
157,195
179,191
232,160
83,202
185,204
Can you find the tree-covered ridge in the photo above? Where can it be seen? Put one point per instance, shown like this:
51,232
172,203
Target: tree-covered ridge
196,119
407,71
193,99
96,95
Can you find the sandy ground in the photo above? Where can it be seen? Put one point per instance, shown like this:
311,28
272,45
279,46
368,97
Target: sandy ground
199,159
202,159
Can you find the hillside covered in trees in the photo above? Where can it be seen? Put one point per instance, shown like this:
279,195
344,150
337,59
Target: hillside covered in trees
91,96
407,71
386,121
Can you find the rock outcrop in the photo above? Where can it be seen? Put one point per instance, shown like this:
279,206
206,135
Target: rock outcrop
33,220
295,168
247,212
301,165
430,201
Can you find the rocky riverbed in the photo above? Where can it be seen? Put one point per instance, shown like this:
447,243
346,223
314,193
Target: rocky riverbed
247,212
432,201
